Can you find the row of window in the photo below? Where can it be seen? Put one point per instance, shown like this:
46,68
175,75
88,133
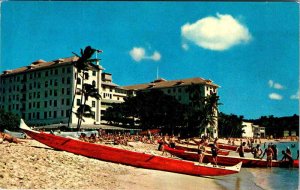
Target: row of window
37,74
78,103
34,95
31,105
47,114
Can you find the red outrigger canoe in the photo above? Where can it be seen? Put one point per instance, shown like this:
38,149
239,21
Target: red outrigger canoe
126,157
194,149
232,147
227,160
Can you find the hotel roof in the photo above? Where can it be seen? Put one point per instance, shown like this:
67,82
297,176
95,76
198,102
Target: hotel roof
41,64
162,83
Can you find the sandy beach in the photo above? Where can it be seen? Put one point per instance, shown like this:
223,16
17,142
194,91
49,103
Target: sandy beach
32,165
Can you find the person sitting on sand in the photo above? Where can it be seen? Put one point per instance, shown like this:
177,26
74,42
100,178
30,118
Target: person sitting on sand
9,138
287,158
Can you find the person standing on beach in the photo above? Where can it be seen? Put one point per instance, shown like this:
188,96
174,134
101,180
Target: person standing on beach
214,152
287,158
201,150
257,152
275,150
270,154
242,150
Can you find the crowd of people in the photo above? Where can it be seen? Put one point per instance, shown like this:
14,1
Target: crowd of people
119,138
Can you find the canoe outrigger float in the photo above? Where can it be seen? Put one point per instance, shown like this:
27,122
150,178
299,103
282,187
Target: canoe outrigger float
136,159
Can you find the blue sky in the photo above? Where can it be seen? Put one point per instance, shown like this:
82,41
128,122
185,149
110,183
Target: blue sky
250,49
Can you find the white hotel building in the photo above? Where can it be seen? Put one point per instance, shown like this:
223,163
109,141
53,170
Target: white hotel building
42,92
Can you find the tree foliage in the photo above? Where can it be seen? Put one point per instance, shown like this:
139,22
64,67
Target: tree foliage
9,120
275,126
230,125
155,109
83,65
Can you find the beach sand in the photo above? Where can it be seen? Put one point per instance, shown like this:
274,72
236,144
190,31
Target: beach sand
32,165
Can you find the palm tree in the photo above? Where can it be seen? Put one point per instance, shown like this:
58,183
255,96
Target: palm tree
82,65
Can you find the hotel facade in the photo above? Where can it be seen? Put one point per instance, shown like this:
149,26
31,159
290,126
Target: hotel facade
42,93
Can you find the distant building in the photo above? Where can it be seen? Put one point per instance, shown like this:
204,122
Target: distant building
253,131
180,89
111,93
42,92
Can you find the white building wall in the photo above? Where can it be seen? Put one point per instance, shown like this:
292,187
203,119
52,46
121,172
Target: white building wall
44,96
248,129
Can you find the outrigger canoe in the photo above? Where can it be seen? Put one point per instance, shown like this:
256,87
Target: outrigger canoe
195,149
227,160
126,157
232,147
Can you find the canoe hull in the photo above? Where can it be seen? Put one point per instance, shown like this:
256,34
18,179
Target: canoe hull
126,157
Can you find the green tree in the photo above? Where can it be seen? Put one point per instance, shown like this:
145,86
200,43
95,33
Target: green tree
230,125
9,120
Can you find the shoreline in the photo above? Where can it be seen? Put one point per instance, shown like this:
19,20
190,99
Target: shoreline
32,165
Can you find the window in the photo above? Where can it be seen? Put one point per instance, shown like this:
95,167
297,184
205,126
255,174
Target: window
50,102
46,74
51,81
62,91
38,115
50,115
45,104
68,70
29,116
63,80
46,94
46,84
78,81
38,95
62,113
93,104
94,73
54,114
86,76
56,71
50,92
62,101
29,105
68,91
45,115
55,103
68,102
38,104
63,70
94,83
55,82
55,92
78,102
68,80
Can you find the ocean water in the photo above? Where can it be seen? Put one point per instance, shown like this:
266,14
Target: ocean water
265,178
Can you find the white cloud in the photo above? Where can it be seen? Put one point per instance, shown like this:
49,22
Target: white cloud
295,96
139,53
156,56
216,33
275,96
185,47
275,85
